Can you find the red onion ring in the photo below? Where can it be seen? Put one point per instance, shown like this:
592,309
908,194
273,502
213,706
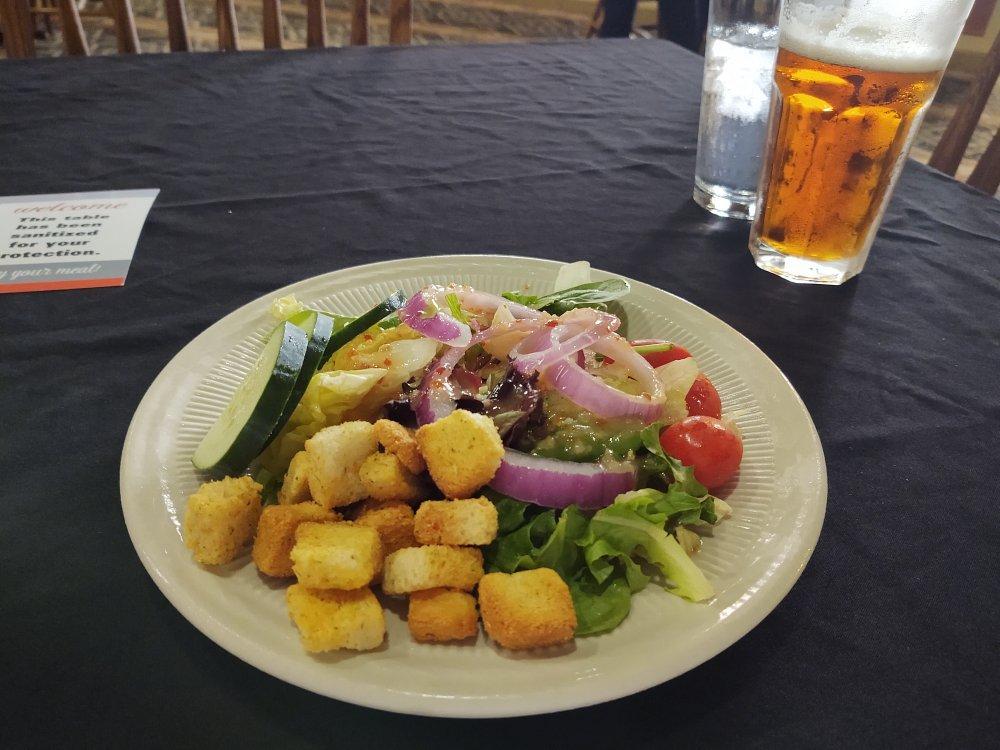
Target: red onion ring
588,391
434,399
593,394
473,299
437,326
552,483
583,328
637,365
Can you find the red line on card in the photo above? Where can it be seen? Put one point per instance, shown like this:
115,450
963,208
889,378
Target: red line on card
52,286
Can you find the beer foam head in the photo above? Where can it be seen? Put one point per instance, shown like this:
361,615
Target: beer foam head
882,35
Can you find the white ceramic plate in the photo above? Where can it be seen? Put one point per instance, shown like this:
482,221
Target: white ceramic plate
752,560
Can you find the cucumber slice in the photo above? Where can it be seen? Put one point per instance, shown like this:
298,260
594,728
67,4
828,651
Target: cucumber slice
361,324
245,424
319,328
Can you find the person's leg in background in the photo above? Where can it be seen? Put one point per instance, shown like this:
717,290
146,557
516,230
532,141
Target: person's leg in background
618,18
683,22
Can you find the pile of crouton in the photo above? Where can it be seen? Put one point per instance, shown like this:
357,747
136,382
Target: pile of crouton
355,511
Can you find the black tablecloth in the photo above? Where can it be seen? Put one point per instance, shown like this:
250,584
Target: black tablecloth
275,167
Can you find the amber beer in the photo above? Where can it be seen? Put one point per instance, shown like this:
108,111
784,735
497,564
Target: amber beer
838,135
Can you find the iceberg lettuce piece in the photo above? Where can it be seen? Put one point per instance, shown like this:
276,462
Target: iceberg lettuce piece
326,401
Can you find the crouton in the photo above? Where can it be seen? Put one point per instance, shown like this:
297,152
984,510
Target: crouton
399,441
462,452
435,566
295,488
438,615
331,620
276,535
529,609
335,455
385,478
456,522
220,519
339,555
392,521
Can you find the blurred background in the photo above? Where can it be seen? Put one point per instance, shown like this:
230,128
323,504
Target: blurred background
517,21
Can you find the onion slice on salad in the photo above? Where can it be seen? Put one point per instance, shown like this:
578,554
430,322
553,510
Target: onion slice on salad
598,397
575,331
552,483
422,313
593,394
638,368
435,396
435,399
473,299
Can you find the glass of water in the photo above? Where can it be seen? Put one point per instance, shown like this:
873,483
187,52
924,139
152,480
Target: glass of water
740,48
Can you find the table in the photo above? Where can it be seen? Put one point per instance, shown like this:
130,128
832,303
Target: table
279,166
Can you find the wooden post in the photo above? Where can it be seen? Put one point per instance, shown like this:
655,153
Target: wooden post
18,39
272,31
359,22
951,148
74,39
128,37
225,18
177,26
986,175
315,23
400,21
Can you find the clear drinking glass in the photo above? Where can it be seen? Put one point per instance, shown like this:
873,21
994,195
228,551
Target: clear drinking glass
740,45
852,81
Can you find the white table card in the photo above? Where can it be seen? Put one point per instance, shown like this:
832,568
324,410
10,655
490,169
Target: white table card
69,240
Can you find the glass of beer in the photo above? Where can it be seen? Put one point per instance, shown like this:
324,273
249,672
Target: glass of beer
852,81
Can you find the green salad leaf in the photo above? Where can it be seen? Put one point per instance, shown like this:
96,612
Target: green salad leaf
681,474
270,484
600,607
592,294
455,307
634,526
659,462
604,558
511,514
541,541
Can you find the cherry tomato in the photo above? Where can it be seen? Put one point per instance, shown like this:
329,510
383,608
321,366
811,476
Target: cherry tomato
656,359
707,445
703,400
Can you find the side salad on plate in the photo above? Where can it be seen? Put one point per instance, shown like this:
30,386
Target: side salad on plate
511,458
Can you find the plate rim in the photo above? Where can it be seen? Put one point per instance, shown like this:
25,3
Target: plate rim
411,703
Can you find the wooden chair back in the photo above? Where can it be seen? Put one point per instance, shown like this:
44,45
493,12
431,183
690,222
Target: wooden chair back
951,148
17,24
17,20
272,29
